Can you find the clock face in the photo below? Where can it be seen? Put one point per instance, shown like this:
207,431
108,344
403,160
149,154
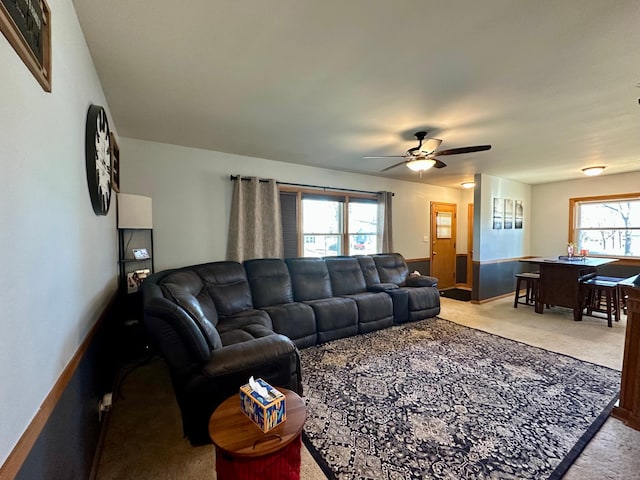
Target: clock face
98,158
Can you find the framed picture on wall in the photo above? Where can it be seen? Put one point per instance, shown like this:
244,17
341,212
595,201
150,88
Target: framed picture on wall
497,213
27,26
519,213
508,213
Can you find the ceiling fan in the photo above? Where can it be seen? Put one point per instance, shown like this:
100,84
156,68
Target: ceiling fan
423,157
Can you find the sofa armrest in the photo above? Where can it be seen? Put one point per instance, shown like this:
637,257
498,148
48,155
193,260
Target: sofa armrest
382,287
421,281
247,356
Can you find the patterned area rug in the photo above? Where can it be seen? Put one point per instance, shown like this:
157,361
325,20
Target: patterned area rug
437,400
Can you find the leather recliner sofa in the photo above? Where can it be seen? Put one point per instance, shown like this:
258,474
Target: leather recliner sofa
217,324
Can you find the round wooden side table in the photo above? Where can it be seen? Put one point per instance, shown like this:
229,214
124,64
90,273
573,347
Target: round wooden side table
243,451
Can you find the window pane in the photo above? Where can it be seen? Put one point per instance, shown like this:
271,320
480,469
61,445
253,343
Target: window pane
321,216
609,214
321,246
321,227
363,227
610,242
362,244
609,227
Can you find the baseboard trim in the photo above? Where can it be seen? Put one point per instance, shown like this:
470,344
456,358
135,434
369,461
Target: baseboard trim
491,299
18,455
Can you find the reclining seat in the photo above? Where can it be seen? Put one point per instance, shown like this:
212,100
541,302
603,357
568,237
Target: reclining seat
375,310
424,297
399,296
208,365
272,292
336,317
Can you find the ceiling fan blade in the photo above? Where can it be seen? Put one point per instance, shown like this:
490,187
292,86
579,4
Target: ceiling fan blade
431,144
394,166
388,156
439,164
457,151
425,148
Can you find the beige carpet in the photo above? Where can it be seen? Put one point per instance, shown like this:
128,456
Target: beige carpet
144,438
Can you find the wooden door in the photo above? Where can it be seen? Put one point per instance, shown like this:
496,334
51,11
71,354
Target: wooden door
443,243
470,246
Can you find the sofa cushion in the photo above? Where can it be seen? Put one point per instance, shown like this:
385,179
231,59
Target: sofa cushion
186,289
392,268
369,270
226,283
270,282
309,278
336,317
244,326
346,275
295,320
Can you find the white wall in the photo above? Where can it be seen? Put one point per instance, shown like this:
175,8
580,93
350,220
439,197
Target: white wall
58,258
497,244
191,195
550,219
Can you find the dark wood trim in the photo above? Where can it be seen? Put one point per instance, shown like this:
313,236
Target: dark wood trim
16,458
40,68
499,260
409,260
628,409
485,300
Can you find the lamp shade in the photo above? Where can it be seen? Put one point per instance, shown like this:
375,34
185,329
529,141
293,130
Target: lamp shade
134,211
421,164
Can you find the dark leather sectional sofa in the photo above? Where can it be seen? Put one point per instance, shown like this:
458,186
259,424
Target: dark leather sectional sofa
216,324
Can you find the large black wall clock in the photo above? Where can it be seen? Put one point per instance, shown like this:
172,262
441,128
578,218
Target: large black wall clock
98,157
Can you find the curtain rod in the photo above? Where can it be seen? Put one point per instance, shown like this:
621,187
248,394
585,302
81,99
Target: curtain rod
233,177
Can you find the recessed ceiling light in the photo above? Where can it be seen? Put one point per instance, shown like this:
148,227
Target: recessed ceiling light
593,171
468,184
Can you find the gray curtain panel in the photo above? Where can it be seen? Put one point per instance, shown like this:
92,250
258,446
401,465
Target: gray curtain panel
385,224
255,225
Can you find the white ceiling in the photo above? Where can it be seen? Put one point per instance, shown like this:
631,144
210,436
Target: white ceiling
552,85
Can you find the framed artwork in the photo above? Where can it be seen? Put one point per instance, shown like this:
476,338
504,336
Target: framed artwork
519,212
115,163
497,213
508,213
27,26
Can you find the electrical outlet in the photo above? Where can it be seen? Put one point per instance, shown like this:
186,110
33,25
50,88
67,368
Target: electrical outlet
104,405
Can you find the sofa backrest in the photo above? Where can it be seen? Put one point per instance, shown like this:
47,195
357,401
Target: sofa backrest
392,268
270,282
369,270
181,317
309,278
346,275
227,285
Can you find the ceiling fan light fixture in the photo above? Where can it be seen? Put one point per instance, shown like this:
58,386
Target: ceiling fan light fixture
421,164
468,184
593,171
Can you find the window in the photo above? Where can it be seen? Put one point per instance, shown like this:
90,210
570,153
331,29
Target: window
608,226
331,224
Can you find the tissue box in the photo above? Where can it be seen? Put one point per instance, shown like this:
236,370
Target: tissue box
266,413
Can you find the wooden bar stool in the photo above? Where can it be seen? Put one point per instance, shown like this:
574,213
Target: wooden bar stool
602,295
530,281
